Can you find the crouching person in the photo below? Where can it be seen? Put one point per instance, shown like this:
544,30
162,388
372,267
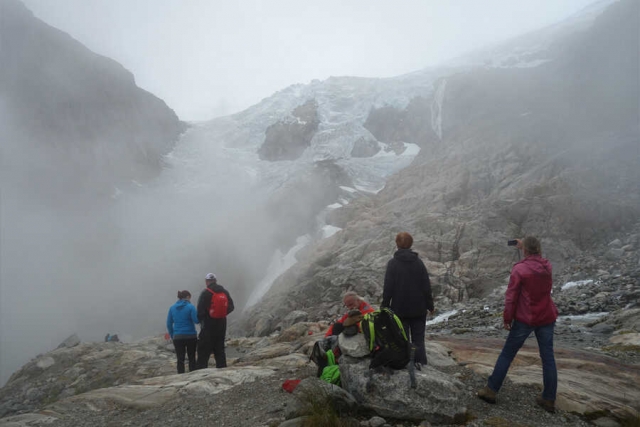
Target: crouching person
326,351
353,302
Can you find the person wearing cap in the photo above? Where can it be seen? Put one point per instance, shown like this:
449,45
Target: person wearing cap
213,330
407,291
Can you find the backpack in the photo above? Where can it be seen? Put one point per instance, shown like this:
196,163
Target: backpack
219,305
331,372
387,339
319,352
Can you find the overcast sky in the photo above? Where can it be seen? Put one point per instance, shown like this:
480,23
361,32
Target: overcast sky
211,57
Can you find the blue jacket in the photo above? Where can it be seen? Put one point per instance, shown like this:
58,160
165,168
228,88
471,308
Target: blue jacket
182,318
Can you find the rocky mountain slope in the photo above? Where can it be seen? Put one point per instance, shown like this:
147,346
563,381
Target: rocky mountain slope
75,117
99,384
529,138
550,150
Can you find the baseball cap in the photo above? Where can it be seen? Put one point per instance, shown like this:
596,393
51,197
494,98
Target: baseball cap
210,276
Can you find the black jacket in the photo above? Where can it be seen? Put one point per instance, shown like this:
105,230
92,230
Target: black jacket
407,288
204,301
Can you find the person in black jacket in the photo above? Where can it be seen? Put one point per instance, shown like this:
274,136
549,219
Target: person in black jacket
407,291
213,330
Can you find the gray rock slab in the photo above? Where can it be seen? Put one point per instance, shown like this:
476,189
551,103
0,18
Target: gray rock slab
388,394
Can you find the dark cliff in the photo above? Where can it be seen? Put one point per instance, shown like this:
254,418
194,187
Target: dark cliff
74,119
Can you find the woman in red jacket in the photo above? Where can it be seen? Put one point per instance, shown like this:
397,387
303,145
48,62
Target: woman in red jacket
528,308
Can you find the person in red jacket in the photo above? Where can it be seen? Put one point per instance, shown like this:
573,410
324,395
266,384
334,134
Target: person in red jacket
352,301
528,307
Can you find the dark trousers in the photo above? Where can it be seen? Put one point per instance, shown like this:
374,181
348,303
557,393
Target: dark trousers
517,335
212,338
187,346
414,327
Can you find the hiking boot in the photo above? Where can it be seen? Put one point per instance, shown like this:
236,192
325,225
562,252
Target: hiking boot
486,394
547,405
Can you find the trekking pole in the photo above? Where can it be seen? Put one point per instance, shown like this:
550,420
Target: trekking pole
412,366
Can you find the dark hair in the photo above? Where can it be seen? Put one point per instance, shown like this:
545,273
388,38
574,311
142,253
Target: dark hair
184,294
532,245
404,240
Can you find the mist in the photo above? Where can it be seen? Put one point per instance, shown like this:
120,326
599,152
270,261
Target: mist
84,250
208,59
96,265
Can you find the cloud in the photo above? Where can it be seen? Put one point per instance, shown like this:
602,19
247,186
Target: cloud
207,58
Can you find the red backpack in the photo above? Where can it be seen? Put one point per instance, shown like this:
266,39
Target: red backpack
219,305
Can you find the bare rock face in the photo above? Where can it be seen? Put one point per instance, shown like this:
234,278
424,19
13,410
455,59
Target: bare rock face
512,159
363,147
287,140
413,124
71,370
75,116
153,392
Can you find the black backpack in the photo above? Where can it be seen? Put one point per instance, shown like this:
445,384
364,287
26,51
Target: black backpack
387,339
319,352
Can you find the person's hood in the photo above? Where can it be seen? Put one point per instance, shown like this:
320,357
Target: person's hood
406,255
181,303
537,264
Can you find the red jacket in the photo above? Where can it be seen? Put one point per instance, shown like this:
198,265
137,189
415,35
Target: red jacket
364,308
528,296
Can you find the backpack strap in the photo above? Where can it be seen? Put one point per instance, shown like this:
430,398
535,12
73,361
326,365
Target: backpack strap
398,322
372,332
212,293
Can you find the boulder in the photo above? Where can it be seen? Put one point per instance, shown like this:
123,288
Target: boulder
72,341
313,391
627,340
294,317
354,346
387,393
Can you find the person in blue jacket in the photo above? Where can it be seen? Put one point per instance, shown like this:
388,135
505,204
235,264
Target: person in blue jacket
181,324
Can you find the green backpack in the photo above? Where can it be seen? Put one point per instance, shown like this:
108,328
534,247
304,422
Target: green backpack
331,373
387,339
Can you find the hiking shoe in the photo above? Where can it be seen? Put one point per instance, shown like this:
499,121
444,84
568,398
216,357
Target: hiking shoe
486,394
547,405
